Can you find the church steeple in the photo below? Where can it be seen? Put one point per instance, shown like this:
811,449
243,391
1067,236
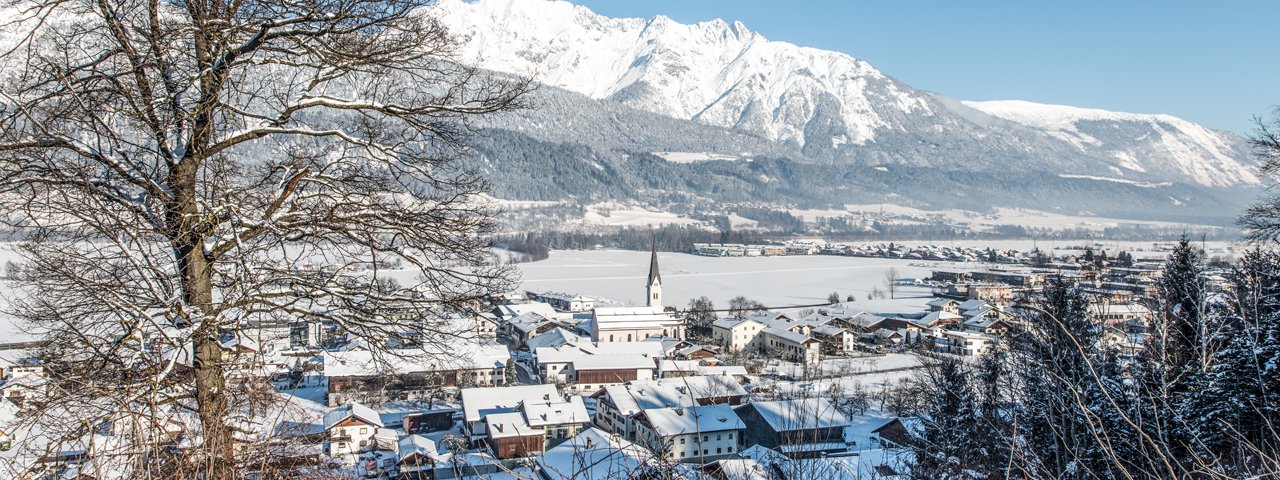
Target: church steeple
653,289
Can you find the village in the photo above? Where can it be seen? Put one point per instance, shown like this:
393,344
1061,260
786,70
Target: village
550,385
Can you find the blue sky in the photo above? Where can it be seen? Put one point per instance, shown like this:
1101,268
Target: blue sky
1214,63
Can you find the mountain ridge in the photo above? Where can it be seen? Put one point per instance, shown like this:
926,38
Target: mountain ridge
828,107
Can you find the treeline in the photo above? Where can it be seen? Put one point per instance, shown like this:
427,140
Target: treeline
1198,398
669,238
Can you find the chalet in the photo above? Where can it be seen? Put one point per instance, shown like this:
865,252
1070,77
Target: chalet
699,433
987,325
554,338
526,427
525,326
696,352
477,403
416,456
350,429
509,436
798,428
618,405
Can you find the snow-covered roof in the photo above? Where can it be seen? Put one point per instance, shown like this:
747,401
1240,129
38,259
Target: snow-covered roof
509,424
971,304
735,370
540,414
569,352
671,392
553,338
465,355
789,336
517,309
612,318
416,444
481,401
828,330
666,365
528,321
941,302
733,322
612,362
360,412
800,414
594,455
697,419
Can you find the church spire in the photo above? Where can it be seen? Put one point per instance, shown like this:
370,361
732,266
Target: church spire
653,290
654,276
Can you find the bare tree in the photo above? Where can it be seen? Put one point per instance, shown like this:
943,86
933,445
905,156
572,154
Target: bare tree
1261,221
175,164
891,278
741,306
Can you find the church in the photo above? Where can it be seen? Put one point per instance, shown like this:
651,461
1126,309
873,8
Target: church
630,324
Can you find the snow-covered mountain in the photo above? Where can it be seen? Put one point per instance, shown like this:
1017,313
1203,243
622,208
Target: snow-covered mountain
1139,142
826,106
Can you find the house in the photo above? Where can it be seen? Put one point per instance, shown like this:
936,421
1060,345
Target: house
987,325
696,352
563,301
350,429
525,326
793,346
968,344
835,339
509,436
617,406
416,456
554,338
700,433
411,374
798,428
587,366
477,403
738,334
534,425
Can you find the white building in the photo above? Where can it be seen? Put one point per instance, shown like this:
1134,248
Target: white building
350,429
629,324
618,406
691,434
738,335
969,344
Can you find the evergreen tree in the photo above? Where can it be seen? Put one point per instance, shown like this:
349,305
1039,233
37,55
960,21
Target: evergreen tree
945,448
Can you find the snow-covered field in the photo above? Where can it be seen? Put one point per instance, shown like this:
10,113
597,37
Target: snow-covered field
774,281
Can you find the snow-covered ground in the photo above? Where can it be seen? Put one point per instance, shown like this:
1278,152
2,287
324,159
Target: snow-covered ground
690,157
774,281
629,215
979,221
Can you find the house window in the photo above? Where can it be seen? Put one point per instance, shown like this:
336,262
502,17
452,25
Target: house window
719,450
363,430
682,440
730,436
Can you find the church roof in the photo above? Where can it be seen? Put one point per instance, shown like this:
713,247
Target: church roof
654,276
